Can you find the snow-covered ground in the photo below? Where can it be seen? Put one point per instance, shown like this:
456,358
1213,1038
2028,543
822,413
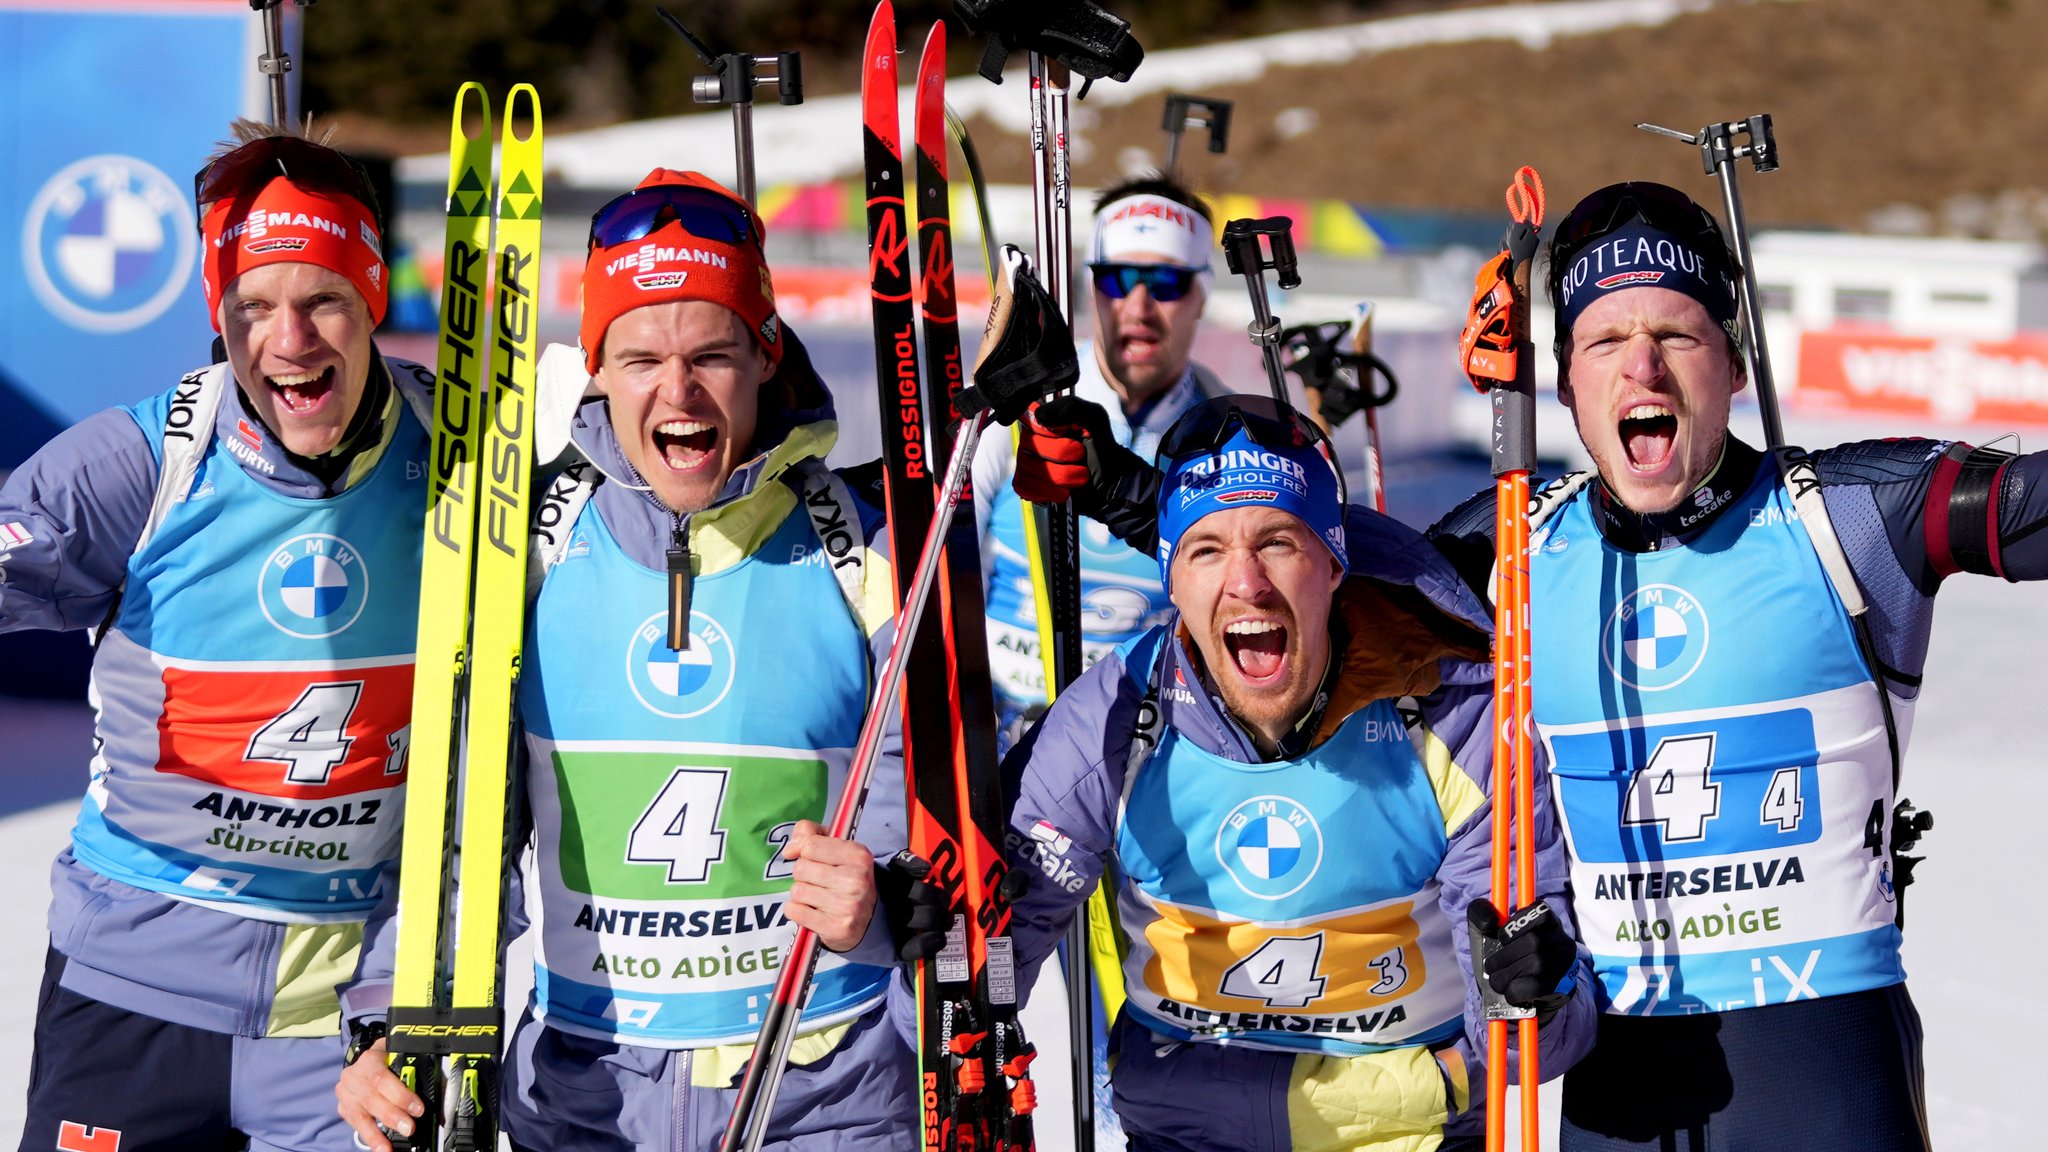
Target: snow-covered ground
1979,752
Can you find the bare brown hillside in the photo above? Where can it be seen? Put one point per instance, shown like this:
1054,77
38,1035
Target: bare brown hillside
1877,103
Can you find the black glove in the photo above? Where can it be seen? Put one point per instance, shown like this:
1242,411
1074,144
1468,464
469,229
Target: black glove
917,913
1068,452
1027,350
1529,962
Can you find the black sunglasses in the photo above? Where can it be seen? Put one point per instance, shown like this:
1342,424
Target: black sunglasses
1166,282
1210,425
1660,206
702,213
245,170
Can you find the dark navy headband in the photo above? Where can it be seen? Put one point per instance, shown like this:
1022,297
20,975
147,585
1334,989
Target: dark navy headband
1637,255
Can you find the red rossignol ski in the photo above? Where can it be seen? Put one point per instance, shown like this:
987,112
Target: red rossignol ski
954,1040
989,1036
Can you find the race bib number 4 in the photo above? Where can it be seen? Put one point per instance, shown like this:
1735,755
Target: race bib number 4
661,825
1703,788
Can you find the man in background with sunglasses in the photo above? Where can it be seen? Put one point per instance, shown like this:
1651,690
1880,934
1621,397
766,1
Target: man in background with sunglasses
235,540
677,790
1725,737
1295,862
1149,261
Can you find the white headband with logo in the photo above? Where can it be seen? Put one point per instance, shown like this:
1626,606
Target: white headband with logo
1148,225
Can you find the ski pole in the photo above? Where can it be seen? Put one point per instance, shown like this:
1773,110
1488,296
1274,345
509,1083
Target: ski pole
1365,364
1184,112
1317,353
1718,153
1053,533
734,77
1496,352
1247,258
749,1122
275,61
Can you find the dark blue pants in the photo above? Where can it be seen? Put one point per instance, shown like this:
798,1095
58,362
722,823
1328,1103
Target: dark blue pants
1839,1074
106,1079
103,1079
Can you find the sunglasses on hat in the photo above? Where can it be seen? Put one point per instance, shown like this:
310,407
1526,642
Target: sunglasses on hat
705,214
245,170
1165,282
1661,207
1266,422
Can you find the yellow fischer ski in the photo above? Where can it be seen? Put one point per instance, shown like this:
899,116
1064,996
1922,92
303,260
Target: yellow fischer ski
441,671
472,619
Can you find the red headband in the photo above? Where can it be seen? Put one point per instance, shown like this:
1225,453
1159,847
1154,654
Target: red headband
287,224
670,263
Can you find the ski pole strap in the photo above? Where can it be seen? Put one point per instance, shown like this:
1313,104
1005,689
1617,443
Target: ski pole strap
1077,33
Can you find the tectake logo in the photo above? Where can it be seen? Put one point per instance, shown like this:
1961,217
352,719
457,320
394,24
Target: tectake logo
660,281
108,243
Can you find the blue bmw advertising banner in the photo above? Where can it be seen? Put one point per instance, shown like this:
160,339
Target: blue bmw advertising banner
106,110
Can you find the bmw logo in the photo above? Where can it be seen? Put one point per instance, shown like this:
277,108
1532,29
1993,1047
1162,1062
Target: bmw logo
680,684
313,586
109,243
1656,638
1271,846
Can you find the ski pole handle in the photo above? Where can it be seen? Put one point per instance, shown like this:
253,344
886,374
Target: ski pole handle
1719,152
1246,256
1184,112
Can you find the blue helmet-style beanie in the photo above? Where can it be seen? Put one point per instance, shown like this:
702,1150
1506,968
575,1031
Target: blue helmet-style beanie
1293,477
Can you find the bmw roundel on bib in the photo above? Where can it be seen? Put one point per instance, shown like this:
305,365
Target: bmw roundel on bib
314,586
1656,638
680,683
1271,846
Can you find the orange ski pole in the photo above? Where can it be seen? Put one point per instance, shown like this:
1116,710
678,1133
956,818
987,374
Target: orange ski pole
1497,353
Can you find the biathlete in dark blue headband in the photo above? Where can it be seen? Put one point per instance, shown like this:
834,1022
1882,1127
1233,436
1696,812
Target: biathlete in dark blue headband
1727,754
1293,862
1725,737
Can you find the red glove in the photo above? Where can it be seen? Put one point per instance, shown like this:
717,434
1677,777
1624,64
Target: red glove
1059,450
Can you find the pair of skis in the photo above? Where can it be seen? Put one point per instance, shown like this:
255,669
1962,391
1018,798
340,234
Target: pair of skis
445,988
973,1062
975,1089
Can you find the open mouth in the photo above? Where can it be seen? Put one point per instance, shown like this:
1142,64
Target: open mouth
1647,434
302,391
684,444
1257,647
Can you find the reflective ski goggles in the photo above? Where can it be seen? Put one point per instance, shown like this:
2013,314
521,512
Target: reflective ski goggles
1165,282
247,169
1660,206
705,214
1208,426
